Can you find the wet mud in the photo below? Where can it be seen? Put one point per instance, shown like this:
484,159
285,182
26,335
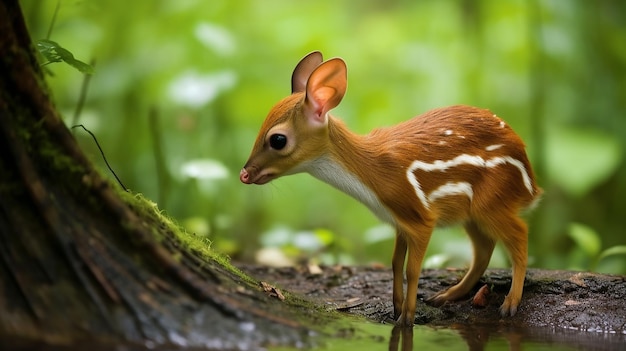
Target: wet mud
584,310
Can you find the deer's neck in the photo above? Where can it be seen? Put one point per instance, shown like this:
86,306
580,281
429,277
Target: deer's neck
346,164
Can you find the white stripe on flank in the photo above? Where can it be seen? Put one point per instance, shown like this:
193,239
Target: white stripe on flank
460,187
449,189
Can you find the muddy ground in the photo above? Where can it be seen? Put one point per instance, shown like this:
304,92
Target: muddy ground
557,306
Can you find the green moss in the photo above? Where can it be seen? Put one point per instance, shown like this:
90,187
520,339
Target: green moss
37,141
162,225
61,162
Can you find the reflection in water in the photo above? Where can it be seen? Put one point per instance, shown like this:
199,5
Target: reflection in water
501,336
477,337
401,335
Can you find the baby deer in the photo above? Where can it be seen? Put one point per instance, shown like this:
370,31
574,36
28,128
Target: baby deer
456,164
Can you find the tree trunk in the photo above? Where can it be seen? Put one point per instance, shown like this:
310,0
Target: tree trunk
81,260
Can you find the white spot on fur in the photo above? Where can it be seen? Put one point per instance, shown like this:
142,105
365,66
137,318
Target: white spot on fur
459,188
502,124
493,147
448,132
441,142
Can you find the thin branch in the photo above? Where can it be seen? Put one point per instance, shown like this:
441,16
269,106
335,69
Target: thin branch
162,174
83,94
102,153
54,19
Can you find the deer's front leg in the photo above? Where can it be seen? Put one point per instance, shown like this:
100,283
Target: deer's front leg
397,266
416,239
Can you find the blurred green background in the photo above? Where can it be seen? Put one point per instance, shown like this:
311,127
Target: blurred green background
181,87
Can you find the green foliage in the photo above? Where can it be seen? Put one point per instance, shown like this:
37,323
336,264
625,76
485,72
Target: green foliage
53,52
589,242
619,250
586,239
212,69
579,160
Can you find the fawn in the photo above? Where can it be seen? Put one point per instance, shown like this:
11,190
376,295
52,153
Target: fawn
457,164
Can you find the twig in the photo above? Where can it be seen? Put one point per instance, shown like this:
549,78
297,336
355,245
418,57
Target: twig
163,180
102,153
54,19
83,94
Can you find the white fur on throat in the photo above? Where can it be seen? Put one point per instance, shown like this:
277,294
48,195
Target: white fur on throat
331,172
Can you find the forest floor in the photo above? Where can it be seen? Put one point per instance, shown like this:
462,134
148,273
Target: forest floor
563,307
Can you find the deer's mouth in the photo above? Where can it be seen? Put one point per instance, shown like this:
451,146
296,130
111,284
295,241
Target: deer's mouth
251,176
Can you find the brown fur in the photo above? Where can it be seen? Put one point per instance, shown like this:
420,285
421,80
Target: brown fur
380,160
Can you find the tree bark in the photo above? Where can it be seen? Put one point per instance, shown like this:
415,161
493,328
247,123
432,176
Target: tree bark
81,260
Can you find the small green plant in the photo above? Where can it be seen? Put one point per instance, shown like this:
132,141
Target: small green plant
588,240
53,52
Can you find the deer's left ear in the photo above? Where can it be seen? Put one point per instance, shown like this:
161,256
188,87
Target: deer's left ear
303,71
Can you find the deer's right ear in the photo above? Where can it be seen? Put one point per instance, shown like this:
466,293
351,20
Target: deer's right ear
303,71
325,89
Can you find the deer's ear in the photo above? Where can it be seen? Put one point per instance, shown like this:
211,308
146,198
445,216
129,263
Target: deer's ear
325,89
303,71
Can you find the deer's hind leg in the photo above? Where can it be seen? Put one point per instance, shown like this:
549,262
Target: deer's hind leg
513,231
483,246
514,235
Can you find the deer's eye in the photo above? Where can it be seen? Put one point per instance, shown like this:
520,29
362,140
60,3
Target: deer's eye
278,141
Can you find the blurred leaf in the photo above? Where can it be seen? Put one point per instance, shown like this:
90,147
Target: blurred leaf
585,238
307,241
379,233
580,159
204,169
437,261
276,237
215,37
274,257
226,246
612,251
195,90
325,236
53,52
198,225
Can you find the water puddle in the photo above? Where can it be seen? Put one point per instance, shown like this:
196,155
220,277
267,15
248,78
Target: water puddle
366,336
362,335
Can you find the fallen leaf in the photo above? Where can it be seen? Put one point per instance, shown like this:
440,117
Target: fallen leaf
314,269
352,302
272,291
480,299
578,279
